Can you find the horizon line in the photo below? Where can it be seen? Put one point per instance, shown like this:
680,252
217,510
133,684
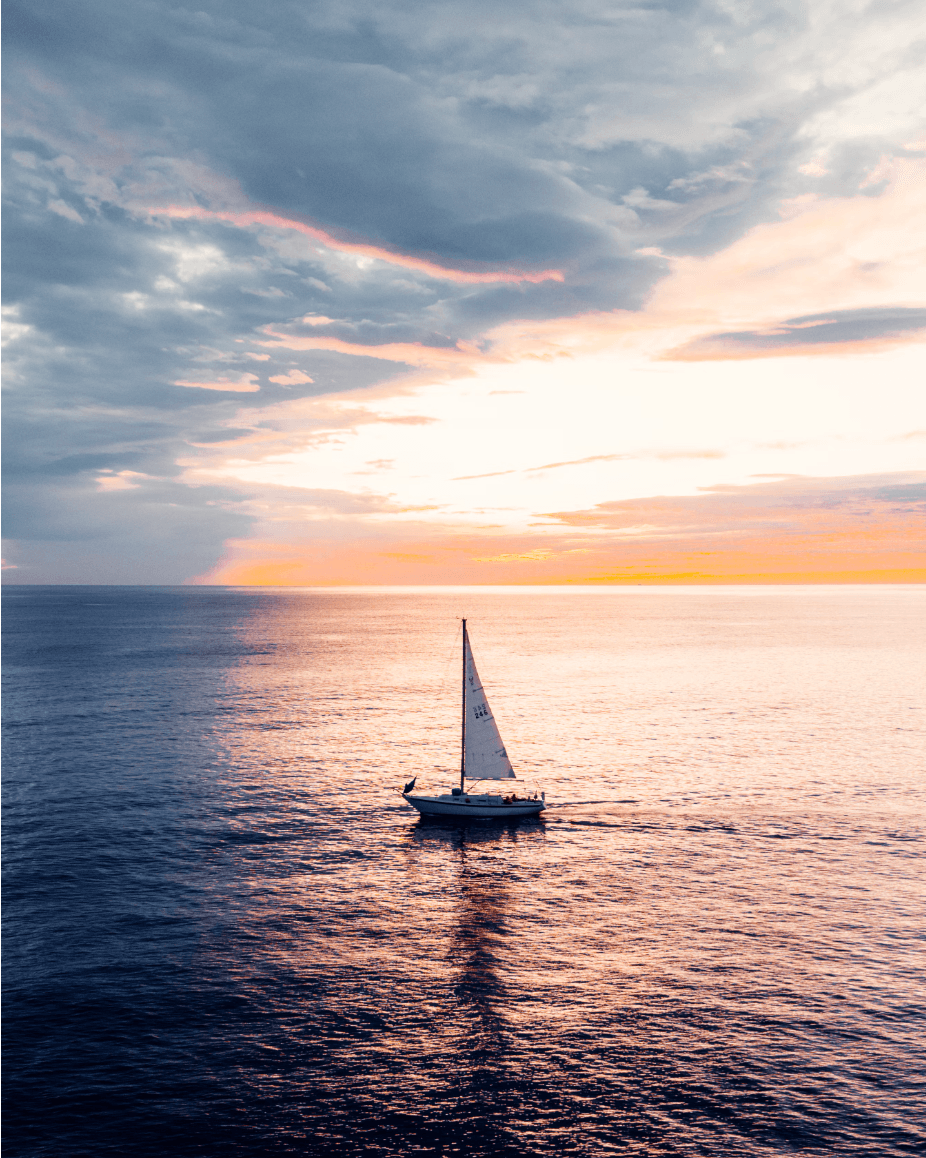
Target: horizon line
523,587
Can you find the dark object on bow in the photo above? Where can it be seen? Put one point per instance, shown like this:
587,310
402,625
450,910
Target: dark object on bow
410,785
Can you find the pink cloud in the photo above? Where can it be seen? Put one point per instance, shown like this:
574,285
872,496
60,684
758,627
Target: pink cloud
247,218
293,378
245,384
412,353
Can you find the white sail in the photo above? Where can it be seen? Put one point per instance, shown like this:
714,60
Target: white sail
484,753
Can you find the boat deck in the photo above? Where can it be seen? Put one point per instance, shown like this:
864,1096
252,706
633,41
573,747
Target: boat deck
476,804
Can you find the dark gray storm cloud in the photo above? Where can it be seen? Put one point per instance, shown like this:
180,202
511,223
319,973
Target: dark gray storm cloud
566,136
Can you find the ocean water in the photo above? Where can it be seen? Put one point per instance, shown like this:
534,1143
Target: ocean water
226,934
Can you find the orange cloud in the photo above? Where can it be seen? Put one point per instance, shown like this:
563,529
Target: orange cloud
246,218
859,530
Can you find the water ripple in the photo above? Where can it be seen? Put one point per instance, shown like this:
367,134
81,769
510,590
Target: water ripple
231,938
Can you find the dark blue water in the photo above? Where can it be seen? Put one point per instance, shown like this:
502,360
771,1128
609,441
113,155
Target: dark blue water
227,936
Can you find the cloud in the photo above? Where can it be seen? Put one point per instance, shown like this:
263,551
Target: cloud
790,530
489,474
822,253
66,211
405,195
244,384
808,334
792,504
122,480
663,455
432,269
636,456
408,353
148,530
291,378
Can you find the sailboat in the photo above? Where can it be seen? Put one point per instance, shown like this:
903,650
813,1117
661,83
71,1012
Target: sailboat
482,757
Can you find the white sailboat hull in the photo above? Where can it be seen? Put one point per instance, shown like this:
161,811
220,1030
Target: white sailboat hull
474,807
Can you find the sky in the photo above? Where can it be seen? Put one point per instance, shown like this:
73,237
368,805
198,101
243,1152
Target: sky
340,293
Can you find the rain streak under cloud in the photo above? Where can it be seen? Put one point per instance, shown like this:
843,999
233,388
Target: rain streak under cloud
325,293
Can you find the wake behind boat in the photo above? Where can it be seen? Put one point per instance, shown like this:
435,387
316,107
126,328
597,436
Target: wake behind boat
483,757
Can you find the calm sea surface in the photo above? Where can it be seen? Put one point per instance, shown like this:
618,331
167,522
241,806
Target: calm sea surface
228,936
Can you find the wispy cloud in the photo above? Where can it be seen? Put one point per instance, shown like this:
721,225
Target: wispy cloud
659,455
662,455
489,474
785,503
838,329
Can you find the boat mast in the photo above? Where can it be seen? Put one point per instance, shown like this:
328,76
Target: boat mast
463,716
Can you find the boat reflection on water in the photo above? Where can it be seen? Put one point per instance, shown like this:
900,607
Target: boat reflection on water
484,1084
